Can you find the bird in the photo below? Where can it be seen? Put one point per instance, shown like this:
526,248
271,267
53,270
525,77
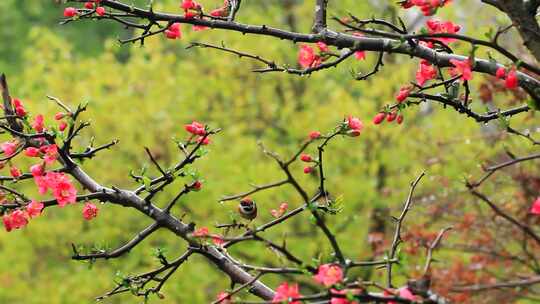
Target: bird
247,208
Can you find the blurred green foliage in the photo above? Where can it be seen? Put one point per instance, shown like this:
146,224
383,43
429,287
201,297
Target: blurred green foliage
144,95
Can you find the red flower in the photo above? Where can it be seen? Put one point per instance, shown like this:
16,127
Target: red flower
34,208
189,15
379,118
62,189
38,123
501,73
535,208
399,119
89,5
306,158
195,128
314,134
403,93
442,27
201,232
308,170
286,292
223,298
329,274
9,148
461,67
425,72
307,57
70,12
511,81
89,211
100,11
15,172
173,32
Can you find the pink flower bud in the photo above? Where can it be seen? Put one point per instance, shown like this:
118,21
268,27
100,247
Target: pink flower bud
379,118
308,170
511,81
314,134
62,126
15,172
306,158
70,12
89,5
100,11
31,152
399,119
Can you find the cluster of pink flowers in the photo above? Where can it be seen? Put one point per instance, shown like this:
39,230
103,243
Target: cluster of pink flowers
198,129
70,12
442,27
58,183
428,7
19,218
193,9
280,211
510,79
204,232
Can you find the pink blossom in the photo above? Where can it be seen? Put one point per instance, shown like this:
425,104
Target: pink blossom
307,57
89,211
329,274
354,123
51,153
15,172
425,72
201,232
174,32
9,148
323,47
34,208
308,170
37,170
195,128
403,93
38,123
100,11
442,27
17,219
286,292
31,152
314,134
70,12
463,68
379,118
306,158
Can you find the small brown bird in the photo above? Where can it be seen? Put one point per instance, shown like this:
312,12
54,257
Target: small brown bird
247,208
